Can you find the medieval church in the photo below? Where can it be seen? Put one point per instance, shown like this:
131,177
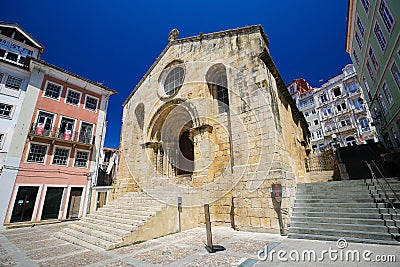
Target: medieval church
211,122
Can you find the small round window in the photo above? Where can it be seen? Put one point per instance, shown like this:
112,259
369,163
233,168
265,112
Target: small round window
174,80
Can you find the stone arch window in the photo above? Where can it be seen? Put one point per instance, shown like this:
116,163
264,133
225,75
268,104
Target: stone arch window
218,85
139,112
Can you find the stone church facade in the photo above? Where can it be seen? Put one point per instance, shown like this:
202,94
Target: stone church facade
212,122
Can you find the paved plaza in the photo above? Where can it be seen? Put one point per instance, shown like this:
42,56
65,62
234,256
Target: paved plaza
36,246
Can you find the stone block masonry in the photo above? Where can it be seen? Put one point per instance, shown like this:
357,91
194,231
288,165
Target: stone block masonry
211,121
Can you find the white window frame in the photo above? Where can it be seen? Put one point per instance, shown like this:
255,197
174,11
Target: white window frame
358,40
88,159
45,87
3,139
366,9
76,91
397,81
52,123
97,106
29,150
73,129
54,152
360,26
382,36
11,112
10,88
390,14
388,94
80,128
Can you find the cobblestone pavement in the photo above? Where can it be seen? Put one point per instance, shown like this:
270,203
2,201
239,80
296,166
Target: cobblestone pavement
38,247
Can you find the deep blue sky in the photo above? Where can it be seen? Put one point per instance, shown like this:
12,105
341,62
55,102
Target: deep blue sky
115,42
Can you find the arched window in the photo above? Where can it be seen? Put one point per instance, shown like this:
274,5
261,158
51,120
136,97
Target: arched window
218,85
139,112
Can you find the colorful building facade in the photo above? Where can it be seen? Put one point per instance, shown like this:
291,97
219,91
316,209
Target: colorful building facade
372,40
55,150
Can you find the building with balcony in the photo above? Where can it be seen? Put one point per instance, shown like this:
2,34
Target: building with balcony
372,41
54,134
303,95
342,110
337,107
61,151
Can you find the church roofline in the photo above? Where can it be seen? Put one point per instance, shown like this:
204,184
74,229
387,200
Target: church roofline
25,33
200,37
267,59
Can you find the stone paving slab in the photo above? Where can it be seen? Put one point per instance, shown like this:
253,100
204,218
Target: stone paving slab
38,247
165,255
76,260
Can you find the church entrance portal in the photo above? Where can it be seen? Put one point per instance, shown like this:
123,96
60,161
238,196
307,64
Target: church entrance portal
186,152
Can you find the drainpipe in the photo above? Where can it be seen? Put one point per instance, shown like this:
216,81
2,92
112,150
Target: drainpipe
96,172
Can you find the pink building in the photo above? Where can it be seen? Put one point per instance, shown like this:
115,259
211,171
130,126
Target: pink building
60,157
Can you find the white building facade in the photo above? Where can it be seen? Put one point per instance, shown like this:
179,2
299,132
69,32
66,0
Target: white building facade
303,95
15,46
337,108
343,112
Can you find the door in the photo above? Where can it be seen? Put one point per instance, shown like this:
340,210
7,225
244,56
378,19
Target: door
74,202
52,203
101,199
85,134
66,129
44,123
24,204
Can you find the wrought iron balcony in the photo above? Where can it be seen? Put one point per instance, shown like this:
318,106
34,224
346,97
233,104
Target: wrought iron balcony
60,134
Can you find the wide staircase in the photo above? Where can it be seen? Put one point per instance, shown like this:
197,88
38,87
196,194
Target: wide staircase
357,210
114,224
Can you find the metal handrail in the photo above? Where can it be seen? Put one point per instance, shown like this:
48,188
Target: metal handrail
384,178
380,185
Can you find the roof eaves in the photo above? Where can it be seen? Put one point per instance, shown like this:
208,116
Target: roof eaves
266,58
72,74
30,37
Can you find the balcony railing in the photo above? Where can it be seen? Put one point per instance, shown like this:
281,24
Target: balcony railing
38,129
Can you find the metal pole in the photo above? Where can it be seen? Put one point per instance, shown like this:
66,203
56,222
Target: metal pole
208,227
179,214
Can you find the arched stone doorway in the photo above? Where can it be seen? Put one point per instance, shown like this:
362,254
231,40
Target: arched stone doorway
186,158
170,145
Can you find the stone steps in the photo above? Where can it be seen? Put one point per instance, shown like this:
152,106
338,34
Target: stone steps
83,239
332,201
343,233
349,226
111,229
343,209
337,220
348,239
112,225
341,205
